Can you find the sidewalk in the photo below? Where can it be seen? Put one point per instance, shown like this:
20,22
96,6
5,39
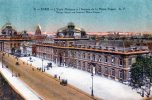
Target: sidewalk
18,85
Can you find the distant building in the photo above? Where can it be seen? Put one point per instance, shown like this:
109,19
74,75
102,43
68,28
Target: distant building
10,40
38,36
38,31
8,30
71,31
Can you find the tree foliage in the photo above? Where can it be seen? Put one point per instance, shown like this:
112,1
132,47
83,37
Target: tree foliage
141,72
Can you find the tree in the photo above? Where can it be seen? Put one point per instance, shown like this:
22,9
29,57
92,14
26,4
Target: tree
141,75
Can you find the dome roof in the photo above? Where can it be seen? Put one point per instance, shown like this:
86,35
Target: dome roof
70,24
76,28
8,25
71,31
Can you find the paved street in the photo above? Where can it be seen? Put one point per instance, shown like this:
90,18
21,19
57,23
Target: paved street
46,86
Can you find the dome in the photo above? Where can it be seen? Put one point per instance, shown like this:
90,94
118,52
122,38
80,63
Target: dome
71,24
71,31
78,28
7,25
9,30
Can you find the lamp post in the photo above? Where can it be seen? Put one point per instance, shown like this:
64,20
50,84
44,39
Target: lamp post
2,60
92,76
92,85
42,65
12,72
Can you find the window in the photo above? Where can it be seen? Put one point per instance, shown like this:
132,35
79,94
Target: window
99,58
130,61
83,55
88,67
99,69
121,74
79,64
106,70
113,59
83,64
75,54
93,57
88,56
121,61
106,59
79,54
113,72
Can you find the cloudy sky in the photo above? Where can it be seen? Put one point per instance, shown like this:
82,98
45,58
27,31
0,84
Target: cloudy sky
101,16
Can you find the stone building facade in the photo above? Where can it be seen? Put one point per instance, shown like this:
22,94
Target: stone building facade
84,54
11,41
113,64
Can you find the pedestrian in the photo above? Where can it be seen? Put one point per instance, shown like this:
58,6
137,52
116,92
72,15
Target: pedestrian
59,77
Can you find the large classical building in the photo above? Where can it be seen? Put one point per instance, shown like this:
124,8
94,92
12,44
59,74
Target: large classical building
11,40
18,43
73,48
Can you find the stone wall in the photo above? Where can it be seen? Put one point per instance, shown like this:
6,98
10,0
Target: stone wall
6,91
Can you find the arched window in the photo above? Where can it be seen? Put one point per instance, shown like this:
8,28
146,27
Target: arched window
112,59
130,61
120,61
79,64
79,55
113,72
121,74
84,55
83,65
99,58
88,56
93,57
106,70
99,70
88,67
106,59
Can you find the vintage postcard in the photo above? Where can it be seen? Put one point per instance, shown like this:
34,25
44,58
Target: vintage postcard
75,49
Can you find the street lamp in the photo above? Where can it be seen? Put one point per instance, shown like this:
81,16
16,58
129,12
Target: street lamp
42,65
2,60
12,72
92,75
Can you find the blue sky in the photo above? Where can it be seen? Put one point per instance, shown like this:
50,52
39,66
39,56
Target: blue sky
136,15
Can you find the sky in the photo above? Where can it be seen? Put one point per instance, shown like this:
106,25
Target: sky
116,15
